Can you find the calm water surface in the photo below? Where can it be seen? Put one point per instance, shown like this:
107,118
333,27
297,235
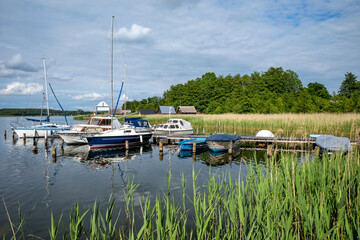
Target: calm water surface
42,186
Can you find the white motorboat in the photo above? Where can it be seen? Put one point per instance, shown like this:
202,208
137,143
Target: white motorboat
174,127
78,133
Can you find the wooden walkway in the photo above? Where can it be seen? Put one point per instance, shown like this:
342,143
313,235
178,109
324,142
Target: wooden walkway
287,141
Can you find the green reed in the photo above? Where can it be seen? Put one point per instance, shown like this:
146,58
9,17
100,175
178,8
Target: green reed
282,125
317,198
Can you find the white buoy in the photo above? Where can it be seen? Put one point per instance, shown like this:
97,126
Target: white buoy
265,133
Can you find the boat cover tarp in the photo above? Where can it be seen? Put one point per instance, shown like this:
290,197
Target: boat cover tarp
47,119
223,138
332,143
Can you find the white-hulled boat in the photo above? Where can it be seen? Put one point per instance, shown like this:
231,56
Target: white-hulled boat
78,133
42,129
118,137
174,127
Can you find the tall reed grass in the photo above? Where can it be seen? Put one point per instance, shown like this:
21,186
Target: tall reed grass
282,125
316,198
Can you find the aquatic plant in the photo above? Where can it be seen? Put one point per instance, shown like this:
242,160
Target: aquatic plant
282,125
317,197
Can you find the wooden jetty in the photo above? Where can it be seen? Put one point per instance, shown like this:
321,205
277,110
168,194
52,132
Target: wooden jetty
255,143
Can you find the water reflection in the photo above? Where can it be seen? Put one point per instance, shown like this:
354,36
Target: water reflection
104,156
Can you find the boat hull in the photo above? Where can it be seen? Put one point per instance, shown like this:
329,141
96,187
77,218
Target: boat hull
38,132
98,141
74,137
187,145
222,146
174,132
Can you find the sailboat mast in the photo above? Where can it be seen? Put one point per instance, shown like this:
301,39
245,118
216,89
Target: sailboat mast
125,89
111,71
46,89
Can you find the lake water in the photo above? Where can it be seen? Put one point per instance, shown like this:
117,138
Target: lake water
41,186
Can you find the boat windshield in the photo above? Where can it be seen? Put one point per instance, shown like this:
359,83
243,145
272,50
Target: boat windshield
96,121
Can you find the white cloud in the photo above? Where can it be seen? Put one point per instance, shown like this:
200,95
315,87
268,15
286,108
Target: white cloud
18,88
90,96
316,39
135,33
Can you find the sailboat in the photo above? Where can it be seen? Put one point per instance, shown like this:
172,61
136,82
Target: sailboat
43,129
117,137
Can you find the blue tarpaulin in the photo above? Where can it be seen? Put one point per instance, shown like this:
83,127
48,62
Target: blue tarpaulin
332,143
223,138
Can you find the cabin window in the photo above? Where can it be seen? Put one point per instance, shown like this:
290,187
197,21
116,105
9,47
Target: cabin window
127,131
175,121
177,126
172,126
105,122
165,126
181,122
95,121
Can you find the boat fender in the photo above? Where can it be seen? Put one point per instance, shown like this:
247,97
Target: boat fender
51,132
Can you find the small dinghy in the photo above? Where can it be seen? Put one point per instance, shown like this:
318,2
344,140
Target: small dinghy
187,145
221,142
330,143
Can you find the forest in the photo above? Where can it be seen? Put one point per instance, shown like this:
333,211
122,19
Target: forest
273,91
37,112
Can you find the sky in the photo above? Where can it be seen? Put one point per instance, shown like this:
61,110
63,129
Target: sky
159,43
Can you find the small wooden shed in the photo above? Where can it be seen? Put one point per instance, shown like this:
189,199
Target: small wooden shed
186,110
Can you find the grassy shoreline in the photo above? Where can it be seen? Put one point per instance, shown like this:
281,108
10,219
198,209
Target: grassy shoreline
282,125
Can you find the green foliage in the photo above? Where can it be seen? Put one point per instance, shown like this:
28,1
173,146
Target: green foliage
349,86
37,112
273,91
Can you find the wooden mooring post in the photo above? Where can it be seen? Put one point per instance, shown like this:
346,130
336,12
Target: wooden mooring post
46,139
24,138
35,149
194,147
13,136
269,149
54,155
230,151
160,146
127,145
4,134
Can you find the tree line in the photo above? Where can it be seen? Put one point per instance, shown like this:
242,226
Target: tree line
273,91
37,112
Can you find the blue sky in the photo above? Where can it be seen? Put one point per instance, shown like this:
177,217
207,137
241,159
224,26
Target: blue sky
166,42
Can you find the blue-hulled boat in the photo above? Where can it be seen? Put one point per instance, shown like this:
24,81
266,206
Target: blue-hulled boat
187,145
221,142
118,138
